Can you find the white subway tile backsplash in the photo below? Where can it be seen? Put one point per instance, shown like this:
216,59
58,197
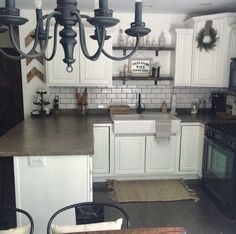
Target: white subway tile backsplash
152,95
70,95
146,91
156,90
126,91
65,90
71,106
106,90
65,100
116,90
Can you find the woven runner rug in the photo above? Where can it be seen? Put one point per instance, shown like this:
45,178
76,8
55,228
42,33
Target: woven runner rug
150,190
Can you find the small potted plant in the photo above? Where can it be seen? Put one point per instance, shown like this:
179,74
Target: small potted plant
156,69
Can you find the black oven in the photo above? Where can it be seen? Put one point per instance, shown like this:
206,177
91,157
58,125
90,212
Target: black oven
232,75
219,166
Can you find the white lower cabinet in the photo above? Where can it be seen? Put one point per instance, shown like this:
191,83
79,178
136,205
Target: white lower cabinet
191,148
160,155
101,157
129,155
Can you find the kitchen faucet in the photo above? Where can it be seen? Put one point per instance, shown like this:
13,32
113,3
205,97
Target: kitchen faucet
139,108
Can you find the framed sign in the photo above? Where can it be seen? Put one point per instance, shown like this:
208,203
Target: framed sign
140,66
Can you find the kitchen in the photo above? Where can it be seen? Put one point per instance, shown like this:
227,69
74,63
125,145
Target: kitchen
122,92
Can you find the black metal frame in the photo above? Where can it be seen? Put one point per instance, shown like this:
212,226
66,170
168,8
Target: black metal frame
67,15
84,204
23,212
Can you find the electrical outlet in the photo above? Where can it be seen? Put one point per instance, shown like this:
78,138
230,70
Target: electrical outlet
36,161
103,97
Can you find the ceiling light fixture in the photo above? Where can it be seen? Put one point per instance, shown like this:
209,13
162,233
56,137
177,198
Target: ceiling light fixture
68,15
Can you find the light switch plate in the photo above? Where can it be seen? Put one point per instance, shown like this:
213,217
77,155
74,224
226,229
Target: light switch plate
37,161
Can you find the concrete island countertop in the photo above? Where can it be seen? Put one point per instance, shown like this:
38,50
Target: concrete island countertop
62,134
67,134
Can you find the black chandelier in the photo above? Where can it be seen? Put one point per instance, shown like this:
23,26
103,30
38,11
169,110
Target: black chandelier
68,15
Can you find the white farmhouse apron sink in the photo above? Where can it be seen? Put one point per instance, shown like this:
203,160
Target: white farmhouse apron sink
142,123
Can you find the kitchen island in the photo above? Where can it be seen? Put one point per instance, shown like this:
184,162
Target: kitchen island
52,163
52,160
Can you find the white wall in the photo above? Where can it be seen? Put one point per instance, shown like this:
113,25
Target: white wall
30,88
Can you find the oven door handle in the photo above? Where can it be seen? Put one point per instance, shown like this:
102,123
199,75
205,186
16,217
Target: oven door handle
218,144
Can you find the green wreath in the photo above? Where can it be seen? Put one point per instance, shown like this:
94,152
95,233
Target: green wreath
209,45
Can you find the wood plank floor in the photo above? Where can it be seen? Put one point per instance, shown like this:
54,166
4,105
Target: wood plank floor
201,217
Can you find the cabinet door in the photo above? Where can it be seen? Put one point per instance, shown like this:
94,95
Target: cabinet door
101,157
96,73
56,68
183,59
191,149
207,65
232,50
129,155
160,155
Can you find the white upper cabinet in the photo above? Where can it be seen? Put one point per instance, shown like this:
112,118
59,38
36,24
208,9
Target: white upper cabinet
56,69
85,72
211,69
183,57
96,73
207,65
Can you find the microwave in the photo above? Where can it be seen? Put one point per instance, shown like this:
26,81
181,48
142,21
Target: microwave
232,75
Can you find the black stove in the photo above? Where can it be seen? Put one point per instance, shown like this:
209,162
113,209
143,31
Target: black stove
219,165
224,128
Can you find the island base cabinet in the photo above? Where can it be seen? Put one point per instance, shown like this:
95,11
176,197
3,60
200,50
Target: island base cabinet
43,185
129,155
160,155
101,157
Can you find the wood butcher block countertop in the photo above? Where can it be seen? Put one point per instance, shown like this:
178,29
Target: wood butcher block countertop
62,134
162,230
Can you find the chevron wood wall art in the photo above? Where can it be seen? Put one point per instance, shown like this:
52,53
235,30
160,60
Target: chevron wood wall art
28,38
33,73
40,59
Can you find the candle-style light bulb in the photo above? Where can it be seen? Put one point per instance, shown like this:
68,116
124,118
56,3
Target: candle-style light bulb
103,4
38,4
138,12
10,3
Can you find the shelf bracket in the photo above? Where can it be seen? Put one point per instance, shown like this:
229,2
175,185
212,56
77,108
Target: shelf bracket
124,52
157,52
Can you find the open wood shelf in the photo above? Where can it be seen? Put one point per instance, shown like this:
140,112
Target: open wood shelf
124,79
156,48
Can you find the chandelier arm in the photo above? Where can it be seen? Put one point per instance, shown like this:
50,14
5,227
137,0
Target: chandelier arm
10,56
20,56
33,56
84,16
54,44
125,57
83,41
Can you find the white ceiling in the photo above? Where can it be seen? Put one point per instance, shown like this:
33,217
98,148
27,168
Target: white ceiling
150,6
